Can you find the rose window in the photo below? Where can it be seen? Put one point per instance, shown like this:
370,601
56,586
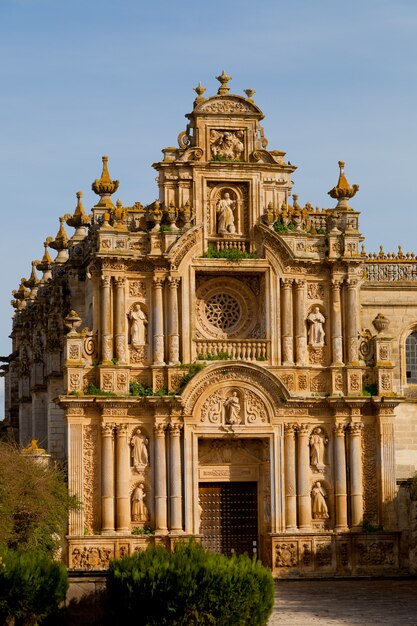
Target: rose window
226,309
222,311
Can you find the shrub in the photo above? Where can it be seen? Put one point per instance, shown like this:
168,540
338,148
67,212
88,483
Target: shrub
32,586
34,503
136,388
232,254
189,587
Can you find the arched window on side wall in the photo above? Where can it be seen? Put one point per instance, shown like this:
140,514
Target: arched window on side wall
411,358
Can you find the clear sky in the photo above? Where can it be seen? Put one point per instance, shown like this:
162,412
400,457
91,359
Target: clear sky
83,78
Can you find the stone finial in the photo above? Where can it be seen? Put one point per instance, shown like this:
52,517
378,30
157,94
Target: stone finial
343,191
199,91
380,323
72,322
46,261
61,240
33,279
105,187
224,87
79,218
249,94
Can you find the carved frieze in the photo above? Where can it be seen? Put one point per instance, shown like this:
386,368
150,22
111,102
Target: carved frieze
233,406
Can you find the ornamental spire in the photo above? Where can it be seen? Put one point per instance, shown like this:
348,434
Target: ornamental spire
60,243
224,87
79,218
343,191
105,187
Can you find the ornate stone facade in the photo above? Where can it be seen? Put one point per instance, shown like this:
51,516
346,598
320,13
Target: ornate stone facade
223,347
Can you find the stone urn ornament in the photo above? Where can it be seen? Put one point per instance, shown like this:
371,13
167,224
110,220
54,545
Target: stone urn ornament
380,323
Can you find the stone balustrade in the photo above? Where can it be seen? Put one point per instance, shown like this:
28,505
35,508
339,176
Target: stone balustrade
383,271
241,350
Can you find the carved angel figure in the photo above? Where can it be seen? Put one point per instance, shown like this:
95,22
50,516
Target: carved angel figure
139,509
318,502
140,456
138,323
232,406
225,217
316,332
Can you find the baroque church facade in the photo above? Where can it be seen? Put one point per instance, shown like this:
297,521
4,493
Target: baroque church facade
224,363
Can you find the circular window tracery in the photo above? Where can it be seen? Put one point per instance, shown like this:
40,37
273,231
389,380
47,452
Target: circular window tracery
223,311
226,309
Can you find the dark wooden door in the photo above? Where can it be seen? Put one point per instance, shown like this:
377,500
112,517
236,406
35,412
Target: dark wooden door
229,517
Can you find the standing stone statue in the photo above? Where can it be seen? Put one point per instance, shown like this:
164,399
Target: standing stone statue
139,508
317,447
140,456
138,323
232,405
225,217
316,331
318,502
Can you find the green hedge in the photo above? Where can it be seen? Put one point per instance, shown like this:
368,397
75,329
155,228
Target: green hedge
189,587
31,587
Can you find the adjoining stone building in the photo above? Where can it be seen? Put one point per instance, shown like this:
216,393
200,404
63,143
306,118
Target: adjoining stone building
224,363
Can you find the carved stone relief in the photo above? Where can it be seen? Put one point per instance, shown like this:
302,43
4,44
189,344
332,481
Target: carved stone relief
233,406
91,478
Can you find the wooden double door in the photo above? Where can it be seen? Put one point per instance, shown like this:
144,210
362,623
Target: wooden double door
229,517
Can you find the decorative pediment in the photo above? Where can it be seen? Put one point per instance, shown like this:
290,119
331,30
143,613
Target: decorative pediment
233,104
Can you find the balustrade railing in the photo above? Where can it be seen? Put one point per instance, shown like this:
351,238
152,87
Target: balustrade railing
239,350
385,271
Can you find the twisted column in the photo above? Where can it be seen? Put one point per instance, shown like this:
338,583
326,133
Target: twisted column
122,479
340,477
337,338
106,321
120,319
160,480
356,474
158,322
304,496
175,478
290,478
173,335
286,322
107,478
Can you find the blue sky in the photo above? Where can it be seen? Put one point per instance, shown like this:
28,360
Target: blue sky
83,78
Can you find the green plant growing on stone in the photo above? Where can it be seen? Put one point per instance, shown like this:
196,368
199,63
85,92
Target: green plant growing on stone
370,390
136,388
218,356
231,254
193,369
280,227
92,390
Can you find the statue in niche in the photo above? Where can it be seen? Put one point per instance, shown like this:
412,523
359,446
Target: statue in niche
316,331
140,456
318,441
139,508
225,217
318,502
227,144
232,406
138,323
